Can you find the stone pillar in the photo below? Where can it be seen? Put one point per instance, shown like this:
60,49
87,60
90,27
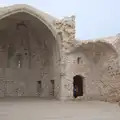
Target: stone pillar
66,30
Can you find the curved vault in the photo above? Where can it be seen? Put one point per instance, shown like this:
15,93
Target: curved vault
92,56
43,17
30,53
93,49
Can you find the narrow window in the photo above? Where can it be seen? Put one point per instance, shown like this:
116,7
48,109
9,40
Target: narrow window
39,86
53,87
19,60
78,60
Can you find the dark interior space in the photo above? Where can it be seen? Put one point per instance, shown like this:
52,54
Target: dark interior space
77,86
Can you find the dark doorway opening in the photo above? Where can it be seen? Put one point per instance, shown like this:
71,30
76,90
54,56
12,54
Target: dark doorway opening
77,86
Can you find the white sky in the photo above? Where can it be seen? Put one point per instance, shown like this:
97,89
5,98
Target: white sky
94,18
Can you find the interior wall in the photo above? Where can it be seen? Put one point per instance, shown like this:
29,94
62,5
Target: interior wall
28,55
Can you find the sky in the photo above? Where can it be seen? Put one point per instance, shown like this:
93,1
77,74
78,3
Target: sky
94,18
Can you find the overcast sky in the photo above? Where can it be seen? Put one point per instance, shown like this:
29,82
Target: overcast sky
94,18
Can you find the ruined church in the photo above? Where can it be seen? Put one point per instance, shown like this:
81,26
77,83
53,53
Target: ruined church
41,57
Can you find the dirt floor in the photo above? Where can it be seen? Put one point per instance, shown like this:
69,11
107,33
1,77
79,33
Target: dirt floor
40,109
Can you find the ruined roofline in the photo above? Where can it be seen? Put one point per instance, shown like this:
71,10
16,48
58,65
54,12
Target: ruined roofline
110,40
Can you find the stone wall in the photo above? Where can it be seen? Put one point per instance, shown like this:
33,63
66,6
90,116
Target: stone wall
74,68
100,67
66,31
110,80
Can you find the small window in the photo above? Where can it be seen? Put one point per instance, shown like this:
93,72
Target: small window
39,83
39,86
19,60
25,53
78,60
53,87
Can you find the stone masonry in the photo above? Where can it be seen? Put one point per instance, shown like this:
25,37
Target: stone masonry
39,56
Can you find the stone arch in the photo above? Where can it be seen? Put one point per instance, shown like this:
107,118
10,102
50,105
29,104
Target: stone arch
14,9
11,10
18,10
30,10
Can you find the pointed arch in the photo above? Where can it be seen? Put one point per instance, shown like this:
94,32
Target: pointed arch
43,17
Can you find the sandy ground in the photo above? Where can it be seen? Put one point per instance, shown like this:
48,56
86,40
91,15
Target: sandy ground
40,109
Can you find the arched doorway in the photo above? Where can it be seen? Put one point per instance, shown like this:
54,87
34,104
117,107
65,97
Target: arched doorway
77,86
29,52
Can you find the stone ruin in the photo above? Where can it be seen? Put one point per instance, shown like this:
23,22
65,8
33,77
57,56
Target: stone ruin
39,56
